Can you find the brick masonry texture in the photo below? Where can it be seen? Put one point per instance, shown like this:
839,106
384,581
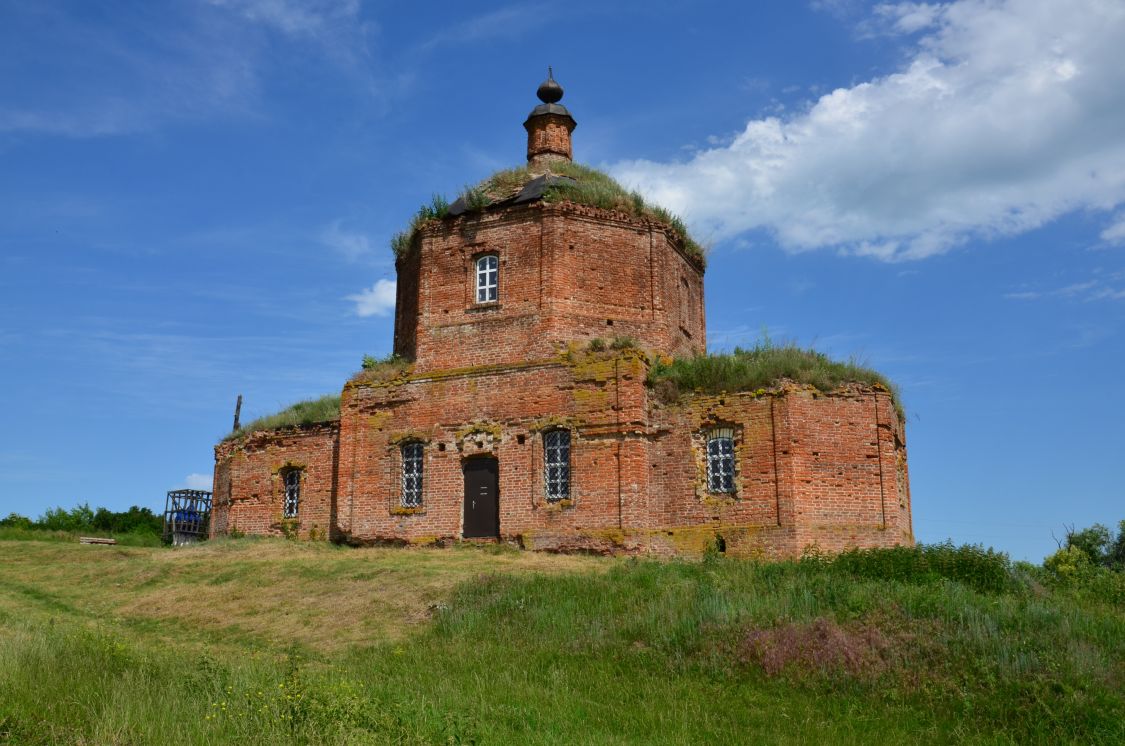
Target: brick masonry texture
489,380
810,469
567,272
548,138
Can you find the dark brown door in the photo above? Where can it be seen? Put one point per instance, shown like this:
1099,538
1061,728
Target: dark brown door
482,504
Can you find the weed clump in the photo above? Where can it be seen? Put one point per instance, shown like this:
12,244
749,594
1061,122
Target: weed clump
597,344
584,185
436,209
761,367
376,369
308,412
983,570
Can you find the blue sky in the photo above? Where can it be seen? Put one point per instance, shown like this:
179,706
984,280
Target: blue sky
196,200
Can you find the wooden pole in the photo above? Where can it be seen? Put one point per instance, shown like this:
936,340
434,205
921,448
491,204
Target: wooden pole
237,412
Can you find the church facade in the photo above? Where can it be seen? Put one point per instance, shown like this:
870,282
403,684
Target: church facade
519,407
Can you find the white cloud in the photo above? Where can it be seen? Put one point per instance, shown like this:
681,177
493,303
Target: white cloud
1103,287
1005,116
377,300
1115,233
505,23
908,18
195,481
352,246
296,17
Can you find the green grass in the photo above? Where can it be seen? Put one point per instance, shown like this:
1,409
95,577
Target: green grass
382,369
222,644
308,412
126,538
762,367
591,187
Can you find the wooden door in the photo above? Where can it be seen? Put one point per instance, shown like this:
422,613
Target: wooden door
482,498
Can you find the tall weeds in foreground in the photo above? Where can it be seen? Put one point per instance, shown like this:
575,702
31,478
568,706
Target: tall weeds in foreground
882,646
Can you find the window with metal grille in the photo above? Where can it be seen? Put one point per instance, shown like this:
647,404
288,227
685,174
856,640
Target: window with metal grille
487,275
292,501
720,460
556,464
412,475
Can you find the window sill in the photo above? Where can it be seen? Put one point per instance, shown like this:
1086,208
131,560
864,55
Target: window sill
485,307
408,511
559,505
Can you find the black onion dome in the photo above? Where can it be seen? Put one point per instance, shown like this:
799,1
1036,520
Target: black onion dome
550,92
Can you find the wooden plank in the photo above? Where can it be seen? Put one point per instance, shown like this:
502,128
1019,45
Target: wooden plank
95,540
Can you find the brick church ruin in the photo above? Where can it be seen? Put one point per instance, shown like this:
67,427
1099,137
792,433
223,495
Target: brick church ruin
520,405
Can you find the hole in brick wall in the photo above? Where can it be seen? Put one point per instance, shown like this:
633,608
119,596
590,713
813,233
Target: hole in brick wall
609,322
520,439
720,544
441,446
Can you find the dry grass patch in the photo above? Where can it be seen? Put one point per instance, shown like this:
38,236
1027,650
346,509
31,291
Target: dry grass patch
253,593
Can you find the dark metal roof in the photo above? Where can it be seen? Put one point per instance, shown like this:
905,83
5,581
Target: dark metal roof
550,92
532,191
542,109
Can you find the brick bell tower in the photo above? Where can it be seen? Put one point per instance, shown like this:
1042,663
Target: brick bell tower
549,126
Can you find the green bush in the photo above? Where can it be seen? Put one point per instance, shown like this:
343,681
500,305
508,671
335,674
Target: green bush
17,521
1099,544
136,526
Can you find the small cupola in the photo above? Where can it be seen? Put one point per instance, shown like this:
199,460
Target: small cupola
549,126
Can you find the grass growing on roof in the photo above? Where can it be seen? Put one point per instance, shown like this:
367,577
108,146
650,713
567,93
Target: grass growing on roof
590,187
308,412
762,367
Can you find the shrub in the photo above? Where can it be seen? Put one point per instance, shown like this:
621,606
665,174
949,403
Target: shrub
1099,544
1068,563
15,520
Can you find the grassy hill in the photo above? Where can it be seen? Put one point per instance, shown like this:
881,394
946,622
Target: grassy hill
263,641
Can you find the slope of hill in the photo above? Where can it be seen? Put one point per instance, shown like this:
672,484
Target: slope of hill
265,641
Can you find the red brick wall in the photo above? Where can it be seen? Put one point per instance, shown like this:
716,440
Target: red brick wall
811,469
249,488
600,398
567,272
548,137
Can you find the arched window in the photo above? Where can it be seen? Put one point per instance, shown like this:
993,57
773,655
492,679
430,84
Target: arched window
488,270
556,464
412,475
292,481
720,460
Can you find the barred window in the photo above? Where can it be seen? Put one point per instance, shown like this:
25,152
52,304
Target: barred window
720,460
556,464
487,276
292,480
412,475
